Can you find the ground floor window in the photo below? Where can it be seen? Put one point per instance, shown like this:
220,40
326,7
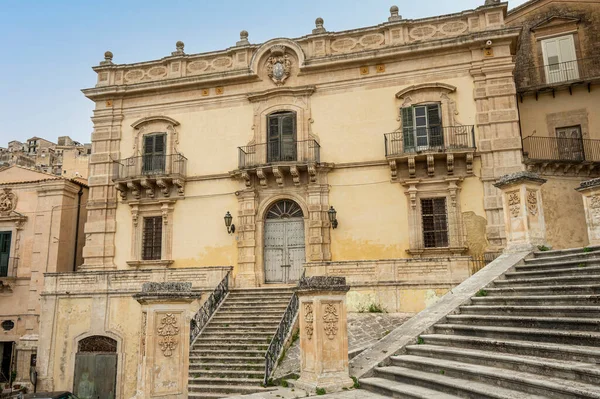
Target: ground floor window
152,238
435,222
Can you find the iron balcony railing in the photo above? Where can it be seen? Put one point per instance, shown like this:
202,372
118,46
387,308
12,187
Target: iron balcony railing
211,304
561,149
429,139
279,151
8,267
150,165
558,73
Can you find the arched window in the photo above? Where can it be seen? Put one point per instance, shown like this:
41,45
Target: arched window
281,137
284,209
97,343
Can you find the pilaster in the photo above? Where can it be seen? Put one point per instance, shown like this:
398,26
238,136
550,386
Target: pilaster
590,190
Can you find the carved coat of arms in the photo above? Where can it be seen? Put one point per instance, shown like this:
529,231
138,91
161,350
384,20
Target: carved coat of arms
8,201
279,68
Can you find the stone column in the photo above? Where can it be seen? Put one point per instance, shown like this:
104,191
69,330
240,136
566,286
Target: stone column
165,340
590,190
523,211
323,334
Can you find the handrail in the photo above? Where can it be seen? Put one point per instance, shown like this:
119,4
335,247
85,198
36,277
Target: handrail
563,149
204,314
280,151
150,165
557,73
276,345
429,139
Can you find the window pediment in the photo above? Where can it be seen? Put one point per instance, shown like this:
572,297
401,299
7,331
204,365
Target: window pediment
141,122
554,22
439,87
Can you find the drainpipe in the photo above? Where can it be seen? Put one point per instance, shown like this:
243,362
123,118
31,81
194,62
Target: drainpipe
79,194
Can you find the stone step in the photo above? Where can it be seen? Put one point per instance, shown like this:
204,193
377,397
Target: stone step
527,334
225,382
565,252
449,385
285,296
550,311
558,323
586,300
196,388
254,308
227,353
254,322
257,290
557,272
226,341
227,359
199,366
536,282
232,374
224,317
550,266
245,332
586,354
395,389
257,300
246,314
499,377
568,370
198,346
586,289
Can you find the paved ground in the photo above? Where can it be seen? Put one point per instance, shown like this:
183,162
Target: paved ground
364,329
290,393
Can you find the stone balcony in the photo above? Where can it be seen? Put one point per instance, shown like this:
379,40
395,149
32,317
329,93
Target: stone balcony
562,155
433,146
150,176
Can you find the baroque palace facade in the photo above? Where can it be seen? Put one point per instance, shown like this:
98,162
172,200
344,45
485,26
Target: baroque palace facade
370,153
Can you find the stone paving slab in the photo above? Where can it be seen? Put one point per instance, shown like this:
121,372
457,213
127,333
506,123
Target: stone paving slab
290,393
364,330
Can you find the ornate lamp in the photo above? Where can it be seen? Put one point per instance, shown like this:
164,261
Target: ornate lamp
332,213
230,227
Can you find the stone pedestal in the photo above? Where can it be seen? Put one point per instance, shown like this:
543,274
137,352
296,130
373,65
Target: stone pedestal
323,334
523,211
164,340
590,190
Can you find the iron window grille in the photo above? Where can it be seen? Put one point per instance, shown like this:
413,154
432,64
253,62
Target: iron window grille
152,238
435,222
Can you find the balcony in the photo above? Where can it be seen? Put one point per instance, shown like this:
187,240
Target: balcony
449,144
552,154
8,273
563,75
143,176
280,158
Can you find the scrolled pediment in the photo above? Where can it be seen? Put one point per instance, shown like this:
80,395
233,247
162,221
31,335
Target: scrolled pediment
441,87
553,22
149,119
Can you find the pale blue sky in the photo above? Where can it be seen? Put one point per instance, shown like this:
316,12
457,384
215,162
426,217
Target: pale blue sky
49,46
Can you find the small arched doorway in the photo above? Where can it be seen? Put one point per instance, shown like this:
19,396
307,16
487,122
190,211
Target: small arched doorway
96,368
284,251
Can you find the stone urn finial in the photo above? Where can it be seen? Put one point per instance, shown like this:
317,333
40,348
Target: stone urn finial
108,56
243,39
394,16
319,26
179,48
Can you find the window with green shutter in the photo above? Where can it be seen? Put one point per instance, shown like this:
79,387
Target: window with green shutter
155,149
422,127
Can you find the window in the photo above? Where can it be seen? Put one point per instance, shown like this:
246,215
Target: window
5,238
152,238
155,148
281,137
422,127
560,60
435,222
570,143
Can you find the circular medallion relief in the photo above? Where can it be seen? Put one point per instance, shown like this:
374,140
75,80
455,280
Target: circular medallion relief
8,325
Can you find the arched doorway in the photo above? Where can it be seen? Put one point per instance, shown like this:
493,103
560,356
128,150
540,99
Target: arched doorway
284,251
96,368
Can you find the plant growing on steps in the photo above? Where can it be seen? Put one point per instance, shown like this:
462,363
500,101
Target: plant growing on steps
321,391
587,249
481,292
420,341
543,248
356,384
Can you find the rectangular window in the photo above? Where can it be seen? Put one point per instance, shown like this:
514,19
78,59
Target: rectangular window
560,60
570,143
422,128
435,222
5,238
155,148
152,238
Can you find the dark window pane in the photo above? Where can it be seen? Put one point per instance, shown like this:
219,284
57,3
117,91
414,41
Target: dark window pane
152,238
435,222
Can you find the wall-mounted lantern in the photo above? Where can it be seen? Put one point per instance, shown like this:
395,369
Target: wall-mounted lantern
332,217
228,224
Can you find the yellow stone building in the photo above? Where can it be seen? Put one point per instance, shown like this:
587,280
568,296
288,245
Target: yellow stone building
370,153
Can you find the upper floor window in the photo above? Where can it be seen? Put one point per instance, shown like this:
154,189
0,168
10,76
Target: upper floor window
155,146
152,238
435,222
560,59
281,137
5,238
422,127
570,143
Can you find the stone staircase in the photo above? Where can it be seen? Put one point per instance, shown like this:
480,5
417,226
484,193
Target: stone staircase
228,358
533,333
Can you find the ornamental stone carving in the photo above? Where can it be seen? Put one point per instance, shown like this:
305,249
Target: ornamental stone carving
168,331
595,208
8,201
279,65
309,319
331,318
532,203
514,203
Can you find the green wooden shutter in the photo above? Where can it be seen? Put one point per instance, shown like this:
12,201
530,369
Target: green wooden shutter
408,131
434,122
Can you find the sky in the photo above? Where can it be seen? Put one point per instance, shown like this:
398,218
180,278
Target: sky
49,46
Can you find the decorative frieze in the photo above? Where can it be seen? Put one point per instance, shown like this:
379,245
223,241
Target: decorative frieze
168,332
330,320
309,319
8,201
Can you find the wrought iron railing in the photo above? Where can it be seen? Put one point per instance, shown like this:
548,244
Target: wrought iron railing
561,149
278,341
429,139
558,73
479,262
211,304
150,165
279,151
8,267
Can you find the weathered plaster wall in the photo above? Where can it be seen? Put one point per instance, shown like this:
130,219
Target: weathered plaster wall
563,211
